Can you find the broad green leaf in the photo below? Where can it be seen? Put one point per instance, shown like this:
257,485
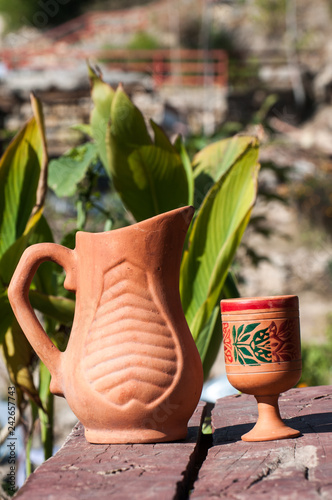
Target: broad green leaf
214,238
127,131
158,182
59,308
160,138
12,255
150,179
230,289
216,158
45,277
85,128
47,413
19,176
19,356
127,123
209,340
187,167
102,95
6,315
209,343
41,150
69,170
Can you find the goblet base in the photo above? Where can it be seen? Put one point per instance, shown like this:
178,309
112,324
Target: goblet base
281,431
269,426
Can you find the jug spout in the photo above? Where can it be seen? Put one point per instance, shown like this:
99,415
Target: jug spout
164,238
178,220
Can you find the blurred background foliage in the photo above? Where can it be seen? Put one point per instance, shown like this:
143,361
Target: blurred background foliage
20,13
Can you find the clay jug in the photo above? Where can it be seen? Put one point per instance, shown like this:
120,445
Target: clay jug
131,372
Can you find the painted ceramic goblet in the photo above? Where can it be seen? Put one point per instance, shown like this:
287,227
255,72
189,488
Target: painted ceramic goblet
263,356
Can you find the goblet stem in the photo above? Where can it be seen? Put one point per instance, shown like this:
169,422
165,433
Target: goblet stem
269,425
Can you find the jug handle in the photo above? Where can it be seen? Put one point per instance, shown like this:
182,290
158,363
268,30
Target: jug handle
18,294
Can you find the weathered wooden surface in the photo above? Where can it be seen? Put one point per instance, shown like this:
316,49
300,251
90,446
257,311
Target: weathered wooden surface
281,470
81,470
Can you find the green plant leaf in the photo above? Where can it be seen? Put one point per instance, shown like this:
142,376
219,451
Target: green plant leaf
6,315
209,341
126,133
160,138
150,178
60,308
215,236
85,128
40,147
19,176
216,158
69,170
187,167
102,96
47,413
19,355
127,123
160,179
45,277
12,255
155,182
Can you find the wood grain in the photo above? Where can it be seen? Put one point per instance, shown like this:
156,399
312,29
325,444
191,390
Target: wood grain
81,471
286,469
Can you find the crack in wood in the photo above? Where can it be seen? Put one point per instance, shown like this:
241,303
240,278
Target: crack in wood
302,459
267,470
323,396
306,473
197,458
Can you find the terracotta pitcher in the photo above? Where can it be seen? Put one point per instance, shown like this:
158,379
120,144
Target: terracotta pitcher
131,371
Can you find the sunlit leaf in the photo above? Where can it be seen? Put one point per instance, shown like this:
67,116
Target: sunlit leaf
160,138
219,156
66,172
214,238
209,343
19,355
12,255
7,315
187,167
41,150
60,308
150,178
45,277
127,122
102,95
19,176
159,182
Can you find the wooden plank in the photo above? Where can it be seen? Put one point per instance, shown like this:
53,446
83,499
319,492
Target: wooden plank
81,470
287,469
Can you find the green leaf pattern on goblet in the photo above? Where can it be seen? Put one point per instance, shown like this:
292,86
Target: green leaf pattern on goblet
251,345
251,350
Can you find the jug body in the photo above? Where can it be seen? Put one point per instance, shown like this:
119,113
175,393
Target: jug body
131,371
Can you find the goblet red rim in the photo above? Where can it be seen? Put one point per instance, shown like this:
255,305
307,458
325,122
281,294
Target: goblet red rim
255,303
